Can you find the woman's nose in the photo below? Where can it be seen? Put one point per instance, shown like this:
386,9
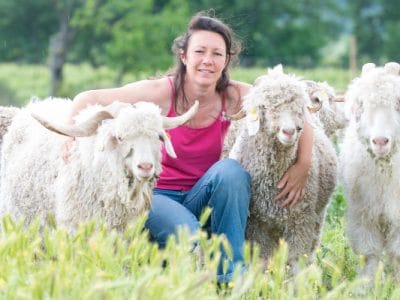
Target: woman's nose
207,59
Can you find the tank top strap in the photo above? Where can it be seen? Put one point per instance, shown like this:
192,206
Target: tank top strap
171,112
223,101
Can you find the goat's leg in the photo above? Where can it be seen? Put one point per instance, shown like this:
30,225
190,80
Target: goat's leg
303,237
257,232
367,240
393,249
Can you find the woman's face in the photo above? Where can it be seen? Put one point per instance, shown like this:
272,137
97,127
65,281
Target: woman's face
205,57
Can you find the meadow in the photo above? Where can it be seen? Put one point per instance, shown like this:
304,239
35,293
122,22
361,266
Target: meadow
95,263
18,83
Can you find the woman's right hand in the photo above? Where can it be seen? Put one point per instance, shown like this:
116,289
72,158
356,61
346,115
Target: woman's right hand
66,148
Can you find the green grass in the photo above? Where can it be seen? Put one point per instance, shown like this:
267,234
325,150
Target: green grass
95,263
18,83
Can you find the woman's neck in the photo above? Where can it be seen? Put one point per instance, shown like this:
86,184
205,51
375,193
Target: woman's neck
204,94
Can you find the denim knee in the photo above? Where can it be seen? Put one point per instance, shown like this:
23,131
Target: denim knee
166,216
232,171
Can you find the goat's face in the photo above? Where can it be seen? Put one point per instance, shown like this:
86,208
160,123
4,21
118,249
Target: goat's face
331,112
373,107
379,127
141,155
285,123
138,136
276,106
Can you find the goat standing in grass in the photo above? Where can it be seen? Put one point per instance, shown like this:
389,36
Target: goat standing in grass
266,147
370,166
111,169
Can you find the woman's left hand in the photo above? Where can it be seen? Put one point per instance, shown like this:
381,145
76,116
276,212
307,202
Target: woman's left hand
293,185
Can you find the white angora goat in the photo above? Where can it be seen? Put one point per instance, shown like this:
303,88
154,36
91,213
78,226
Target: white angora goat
276,110
111,168
370,165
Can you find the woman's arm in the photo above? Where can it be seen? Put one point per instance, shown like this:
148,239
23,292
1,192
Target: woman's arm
294,181
156,91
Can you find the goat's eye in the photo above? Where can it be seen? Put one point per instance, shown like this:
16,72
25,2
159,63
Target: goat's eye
161,138
299,128
119,139
315,99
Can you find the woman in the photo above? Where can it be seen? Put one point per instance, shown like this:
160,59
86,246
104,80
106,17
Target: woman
197,178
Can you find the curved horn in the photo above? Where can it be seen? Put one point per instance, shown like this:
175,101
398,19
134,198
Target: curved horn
172,122
314,108
85,128
339,98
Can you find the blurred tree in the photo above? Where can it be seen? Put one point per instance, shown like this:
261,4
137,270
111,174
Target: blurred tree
391,36
25,27
59,42
280,31
367,21
136,35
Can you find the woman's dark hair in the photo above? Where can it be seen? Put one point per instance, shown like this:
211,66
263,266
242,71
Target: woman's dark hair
202,21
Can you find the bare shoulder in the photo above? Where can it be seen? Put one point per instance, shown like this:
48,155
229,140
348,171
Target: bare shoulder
235,93
157,91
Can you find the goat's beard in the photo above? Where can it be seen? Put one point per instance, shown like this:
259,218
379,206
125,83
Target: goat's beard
140,195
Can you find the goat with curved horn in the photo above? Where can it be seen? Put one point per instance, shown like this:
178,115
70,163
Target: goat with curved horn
90,126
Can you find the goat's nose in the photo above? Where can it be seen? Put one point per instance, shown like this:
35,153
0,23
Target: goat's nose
145,166
380,141
288,132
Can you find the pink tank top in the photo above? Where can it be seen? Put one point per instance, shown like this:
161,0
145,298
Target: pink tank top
197,149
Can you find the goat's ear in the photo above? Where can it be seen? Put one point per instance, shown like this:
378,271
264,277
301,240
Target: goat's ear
252,120
108,143
276,71
367,67
392,68
168,145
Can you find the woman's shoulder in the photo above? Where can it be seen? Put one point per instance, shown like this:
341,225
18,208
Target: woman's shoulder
154,90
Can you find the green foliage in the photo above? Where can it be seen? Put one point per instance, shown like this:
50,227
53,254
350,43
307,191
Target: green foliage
375,24
39,262
133,36
137,35
25,30
287,32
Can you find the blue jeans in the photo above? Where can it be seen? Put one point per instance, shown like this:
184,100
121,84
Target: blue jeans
225,187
